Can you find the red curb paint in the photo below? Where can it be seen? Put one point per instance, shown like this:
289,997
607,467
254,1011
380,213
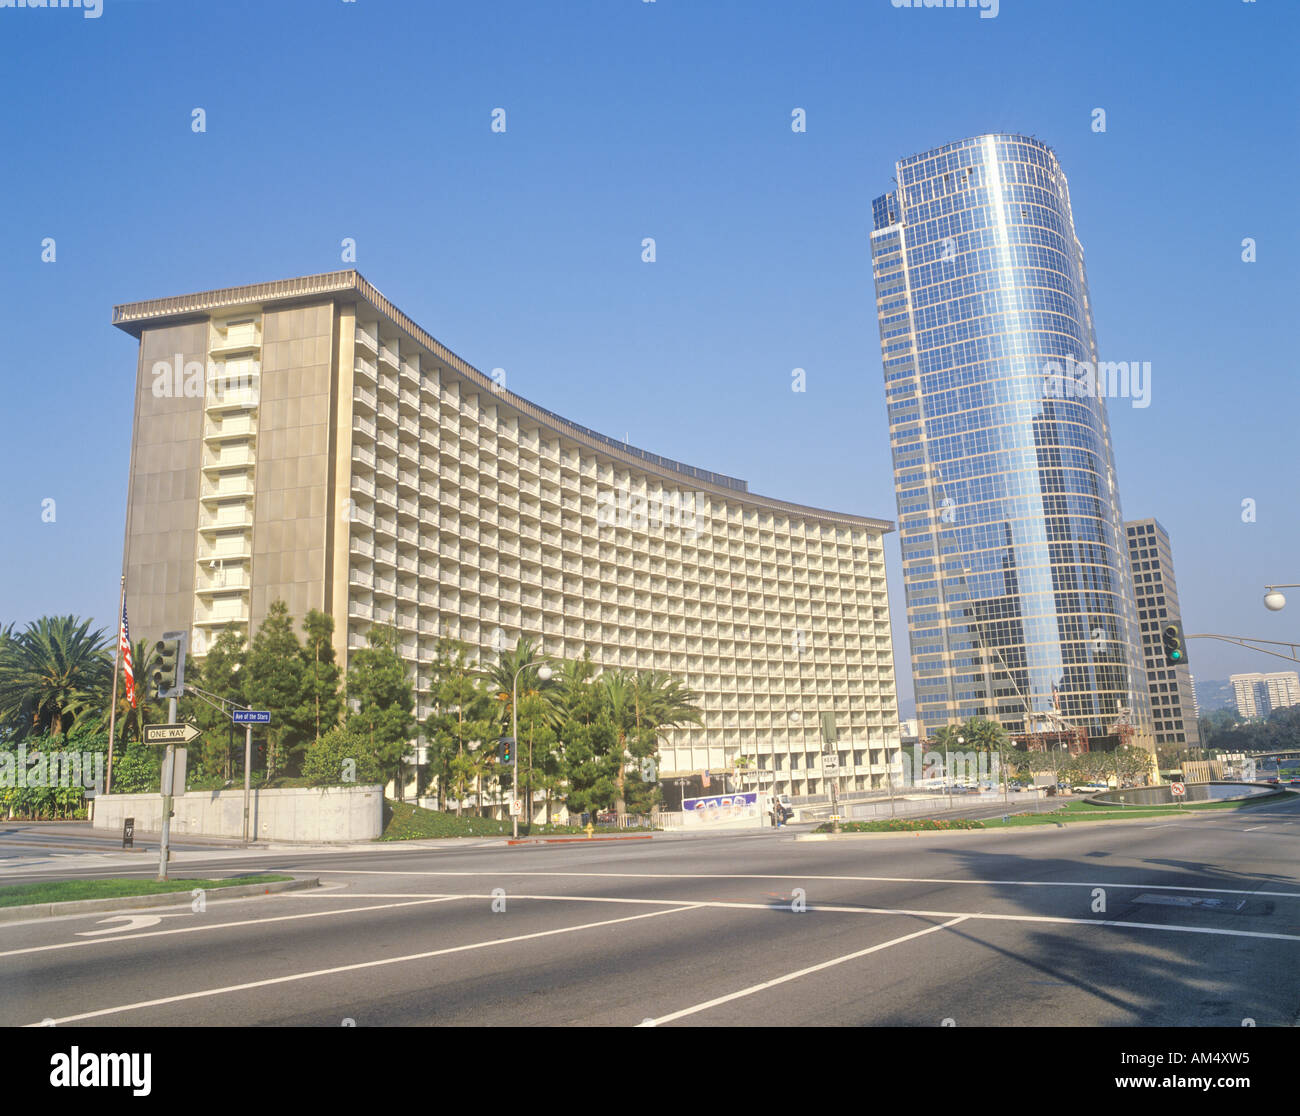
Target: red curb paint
582,840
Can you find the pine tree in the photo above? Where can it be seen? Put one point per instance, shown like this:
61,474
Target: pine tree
322,705
274,681
382,698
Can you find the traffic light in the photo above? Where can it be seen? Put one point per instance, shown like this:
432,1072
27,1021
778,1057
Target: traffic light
506,749
829,733
169,665
1175,647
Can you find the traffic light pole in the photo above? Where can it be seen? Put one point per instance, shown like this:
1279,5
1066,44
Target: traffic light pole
169,773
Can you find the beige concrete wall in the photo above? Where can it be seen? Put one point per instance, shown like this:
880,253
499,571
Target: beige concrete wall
293,467
162,508
291,814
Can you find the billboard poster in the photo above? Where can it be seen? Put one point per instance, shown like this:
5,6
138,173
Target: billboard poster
718,811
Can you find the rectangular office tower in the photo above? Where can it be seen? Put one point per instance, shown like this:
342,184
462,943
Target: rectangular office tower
1173,694
1019,598
304,440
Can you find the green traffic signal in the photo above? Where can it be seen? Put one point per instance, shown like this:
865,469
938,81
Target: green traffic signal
1172,638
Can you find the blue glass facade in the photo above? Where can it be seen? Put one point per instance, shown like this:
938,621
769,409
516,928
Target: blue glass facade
1020,602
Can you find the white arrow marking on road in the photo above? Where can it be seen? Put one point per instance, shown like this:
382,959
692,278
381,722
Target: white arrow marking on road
133,922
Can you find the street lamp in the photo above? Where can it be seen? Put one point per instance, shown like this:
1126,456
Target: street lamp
1274,600
544,674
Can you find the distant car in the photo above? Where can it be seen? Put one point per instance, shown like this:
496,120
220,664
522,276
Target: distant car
1295,782
1272,779
1017,787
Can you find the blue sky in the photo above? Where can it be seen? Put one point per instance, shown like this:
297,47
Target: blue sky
328,119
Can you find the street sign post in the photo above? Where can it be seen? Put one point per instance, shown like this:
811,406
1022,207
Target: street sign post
170,734
516,807
1177,790
128,833
248,718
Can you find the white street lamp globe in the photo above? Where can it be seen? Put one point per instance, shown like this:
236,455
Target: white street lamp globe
544,673
1274,601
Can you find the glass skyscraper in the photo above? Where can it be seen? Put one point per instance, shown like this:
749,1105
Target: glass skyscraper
1020,602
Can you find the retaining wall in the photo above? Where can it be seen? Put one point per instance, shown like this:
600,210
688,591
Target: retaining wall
286,814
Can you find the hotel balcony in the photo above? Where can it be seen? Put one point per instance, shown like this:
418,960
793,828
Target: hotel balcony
222,611
238,547
231,399
225,488
233,426
238,337
227,457
225,519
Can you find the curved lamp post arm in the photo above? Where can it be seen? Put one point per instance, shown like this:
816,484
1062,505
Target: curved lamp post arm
1251,644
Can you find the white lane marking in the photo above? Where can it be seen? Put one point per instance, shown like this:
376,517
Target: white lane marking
1252,829
224,925
778,876
797,974
352,968
133,922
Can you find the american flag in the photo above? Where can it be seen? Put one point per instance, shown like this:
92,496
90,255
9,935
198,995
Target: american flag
124,649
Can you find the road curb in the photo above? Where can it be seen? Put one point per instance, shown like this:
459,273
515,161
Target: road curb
133,902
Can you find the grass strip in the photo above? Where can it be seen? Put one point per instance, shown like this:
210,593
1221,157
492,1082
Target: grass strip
66,891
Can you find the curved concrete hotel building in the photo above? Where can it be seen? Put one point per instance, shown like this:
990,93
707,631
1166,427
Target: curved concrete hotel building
1020,602
305,440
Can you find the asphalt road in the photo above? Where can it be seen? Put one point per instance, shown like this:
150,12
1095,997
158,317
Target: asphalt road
1200,927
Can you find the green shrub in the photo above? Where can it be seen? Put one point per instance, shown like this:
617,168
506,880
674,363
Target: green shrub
342,757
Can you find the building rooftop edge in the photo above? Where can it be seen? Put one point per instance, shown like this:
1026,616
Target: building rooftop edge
132,318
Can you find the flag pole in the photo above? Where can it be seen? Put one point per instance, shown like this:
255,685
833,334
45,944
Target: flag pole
117,661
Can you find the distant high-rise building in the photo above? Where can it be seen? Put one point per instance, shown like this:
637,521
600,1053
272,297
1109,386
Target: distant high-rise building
1173,693
1259,694
1020,602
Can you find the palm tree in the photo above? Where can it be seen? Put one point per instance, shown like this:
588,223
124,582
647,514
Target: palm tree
53,673
986,736
641,707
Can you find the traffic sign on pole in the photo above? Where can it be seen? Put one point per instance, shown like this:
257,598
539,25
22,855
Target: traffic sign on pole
170,734
251,717
1177,790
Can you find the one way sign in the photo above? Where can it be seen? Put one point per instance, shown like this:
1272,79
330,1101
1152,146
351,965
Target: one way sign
170,734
